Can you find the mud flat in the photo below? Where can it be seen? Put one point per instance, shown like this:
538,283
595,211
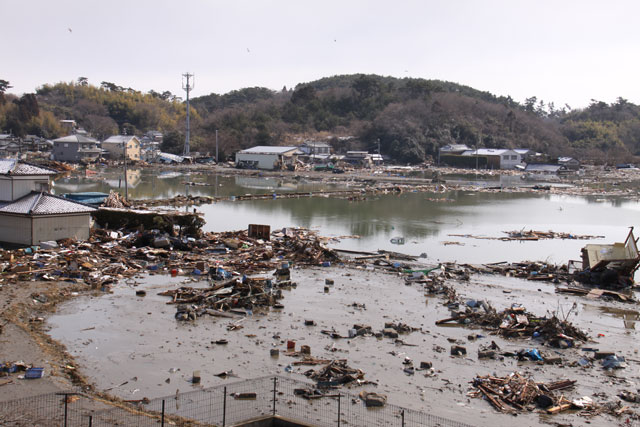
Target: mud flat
133,347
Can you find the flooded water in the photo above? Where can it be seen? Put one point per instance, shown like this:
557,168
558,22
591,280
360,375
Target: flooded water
426,221
123,338
148,183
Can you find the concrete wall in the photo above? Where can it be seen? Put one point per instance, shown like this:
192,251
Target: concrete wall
15,229
58,227
265,161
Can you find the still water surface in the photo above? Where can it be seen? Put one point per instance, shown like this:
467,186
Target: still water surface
425,220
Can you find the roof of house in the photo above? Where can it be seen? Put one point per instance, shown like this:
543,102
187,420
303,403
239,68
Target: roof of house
567,159
540,167
487,152
454,147
15,168
170,157
315,144
40,203
263,149
119,139
76,139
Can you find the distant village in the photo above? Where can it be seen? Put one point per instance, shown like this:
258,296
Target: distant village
79,147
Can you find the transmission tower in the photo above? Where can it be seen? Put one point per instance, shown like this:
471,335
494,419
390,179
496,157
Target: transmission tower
187,86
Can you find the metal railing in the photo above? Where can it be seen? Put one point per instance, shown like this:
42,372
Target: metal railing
224,405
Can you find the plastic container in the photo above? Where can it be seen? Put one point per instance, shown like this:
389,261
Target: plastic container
33,373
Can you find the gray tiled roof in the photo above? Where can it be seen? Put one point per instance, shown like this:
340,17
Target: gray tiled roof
118,139
76,138
36,203
14,167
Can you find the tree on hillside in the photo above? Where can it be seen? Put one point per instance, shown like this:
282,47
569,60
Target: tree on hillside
83,81
4,85
173,142
27,106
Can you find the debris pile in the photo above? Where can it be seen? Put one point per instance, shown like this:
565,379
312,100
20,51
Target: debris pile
109,256
516,393
516,322
538,235
240,294
336,373
115,200
532,235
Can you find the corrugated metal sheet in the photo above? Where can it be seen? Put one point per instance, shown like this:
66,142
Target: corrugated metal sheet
37,203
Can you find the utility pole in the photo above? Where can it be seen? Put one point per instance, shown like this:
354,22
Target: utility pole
216,146
187,87
124,152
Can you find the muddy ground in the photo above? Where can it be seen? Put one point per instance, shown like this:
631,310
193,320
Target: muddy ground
121,338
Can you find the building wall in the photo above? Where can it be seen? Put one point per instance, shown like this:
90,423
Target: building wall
134,150
65,151
115,149
25,185
12,188
5,189
513,159
58,227
265,161
15,229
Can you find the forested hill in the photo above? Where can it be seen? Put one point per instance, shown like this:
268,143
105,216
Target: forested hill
410,118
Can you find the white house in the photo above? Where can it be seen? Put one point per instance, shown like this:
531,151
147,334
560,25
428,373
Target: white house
499,158
266,157
29,214
18,179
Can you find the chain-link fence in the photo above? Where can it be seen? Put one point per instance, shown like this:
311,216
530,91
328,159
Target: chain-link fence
227,405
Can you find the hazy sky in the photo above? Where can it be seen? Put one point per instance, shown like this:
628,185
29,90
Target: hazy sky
566,51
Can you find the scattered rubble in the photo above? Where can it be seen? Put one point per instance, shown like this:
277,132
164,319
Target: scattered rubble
516,393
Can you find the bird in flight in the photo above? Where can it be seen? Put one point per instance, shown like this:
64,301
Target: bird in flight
70,30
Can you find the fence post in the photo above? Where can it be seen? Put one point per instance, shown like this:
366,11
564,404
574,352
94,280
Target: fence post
339,398
66,404
224,408
275,381
162,419
402,413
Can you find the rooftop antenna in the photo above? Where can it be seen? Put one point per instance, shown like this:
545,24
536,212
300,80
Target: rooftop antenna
187,87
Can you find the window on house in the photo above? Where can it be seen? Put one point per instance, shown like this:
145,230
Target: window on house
66,145
505,157
514,157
